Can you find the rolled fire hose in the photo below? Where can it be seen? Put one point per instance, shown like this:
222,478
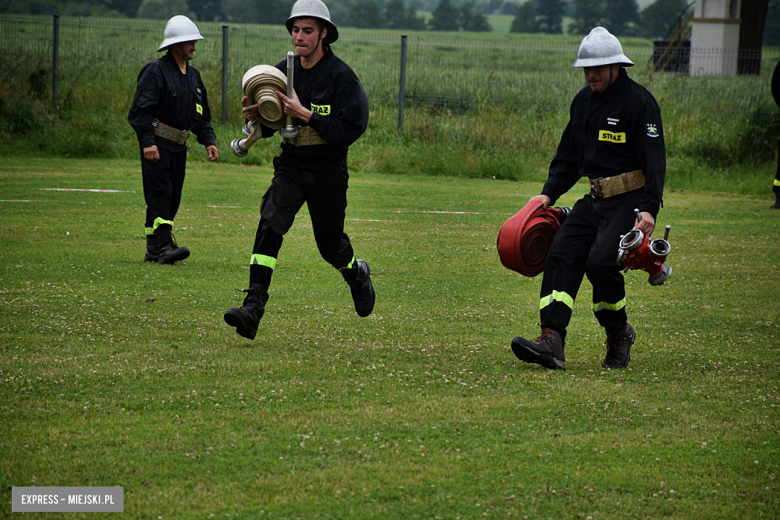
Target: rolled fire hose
525,238
259,84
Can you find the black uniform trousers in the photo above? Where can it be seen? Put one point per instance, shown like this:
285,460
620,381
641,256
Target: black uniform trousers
325,193
776,183
587,243
163,182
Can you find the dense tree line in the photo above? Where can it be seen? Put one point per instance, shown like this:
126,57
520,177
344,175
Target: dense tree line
621,17
392,14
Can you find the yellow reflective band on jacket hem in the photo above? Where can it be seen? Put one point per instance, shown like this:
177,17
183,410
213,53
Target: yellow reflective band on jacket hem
349,265
776,183
609,306
149,231
159,222
265,260
556,296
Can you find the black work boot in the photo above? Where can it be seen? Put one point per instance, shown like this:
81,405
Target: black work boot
152,250
359,280
546,350
169,251
246,320
619,347
776,205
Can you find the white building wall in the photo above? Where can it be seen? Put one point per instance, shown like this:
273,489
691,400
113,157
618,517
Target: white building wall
715,38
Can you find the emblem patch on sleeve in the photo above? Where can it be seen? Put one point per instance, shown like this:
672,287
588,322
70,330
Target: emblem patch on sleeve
652,130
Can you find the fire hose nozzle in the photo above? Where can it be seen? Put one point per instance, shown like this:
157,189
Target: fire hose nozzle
637,251
241,147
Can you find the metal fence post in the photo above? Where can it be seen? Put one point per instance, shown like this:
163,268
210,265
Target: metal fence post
55,60
402,85
224,72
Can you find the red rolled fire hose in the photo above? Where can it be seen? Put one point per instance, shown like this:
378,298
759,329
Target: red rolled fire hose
525,238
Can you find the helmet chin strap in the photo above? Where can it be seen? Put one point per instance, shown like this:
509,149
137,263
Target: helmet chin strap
319,41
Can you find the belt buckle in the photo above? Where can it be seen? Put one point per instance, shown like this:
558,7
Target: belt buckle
184,136
595,188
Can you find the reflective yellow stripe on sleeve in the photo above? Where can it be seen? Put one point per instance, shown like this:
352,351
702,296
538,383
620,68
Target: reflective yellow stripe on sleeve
609,306
776,183
556,296
265,260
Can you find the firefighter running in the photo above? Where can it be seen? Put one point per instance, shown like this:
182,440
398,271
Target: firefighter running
331,109
169,102
614,133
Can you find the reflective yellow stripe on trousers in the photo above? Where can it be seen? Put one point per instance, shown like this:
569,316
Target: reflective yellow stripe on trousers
609,306
265,260
159,221
556,296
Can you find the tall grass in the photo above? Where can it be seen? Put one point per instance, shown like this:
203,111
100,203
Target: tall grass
477,105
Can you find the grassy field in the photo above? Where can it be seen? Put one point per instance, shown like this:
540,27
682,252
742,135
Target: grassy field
116,372
478,105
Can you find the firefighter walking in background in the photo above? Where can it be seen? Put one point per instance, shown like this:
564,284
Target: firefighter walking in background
331,110
776,95
169,102
614,137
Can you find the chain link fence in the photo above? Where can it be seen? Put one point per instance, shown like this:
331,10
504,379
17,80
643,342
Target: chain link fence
444,72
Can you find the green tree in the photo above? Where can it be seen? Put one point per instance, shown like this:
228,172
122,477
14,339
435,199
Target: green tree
126,7
525,18
270,12
619,17
162,9
658,17
549,16
208,10
83,8
587,15
472,21
395,14
413,21
398,17
445,17
365,15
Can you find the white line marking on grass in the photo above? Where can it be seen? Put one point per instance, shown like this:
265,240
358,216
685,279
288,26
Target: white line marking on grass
83,189
452,212
371,220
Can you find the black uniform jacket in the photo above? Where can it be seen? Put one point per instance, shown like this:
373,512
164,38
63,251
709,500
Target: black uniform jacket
176,99
614,132
332,91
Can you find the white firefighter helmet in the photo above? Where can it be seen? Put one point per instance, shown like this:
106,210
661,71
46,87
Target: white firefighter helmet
601,48
179,29
313,9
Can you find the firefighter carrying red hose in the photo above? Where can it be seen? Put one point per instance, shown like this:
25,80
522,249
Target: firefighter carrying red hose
615,138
